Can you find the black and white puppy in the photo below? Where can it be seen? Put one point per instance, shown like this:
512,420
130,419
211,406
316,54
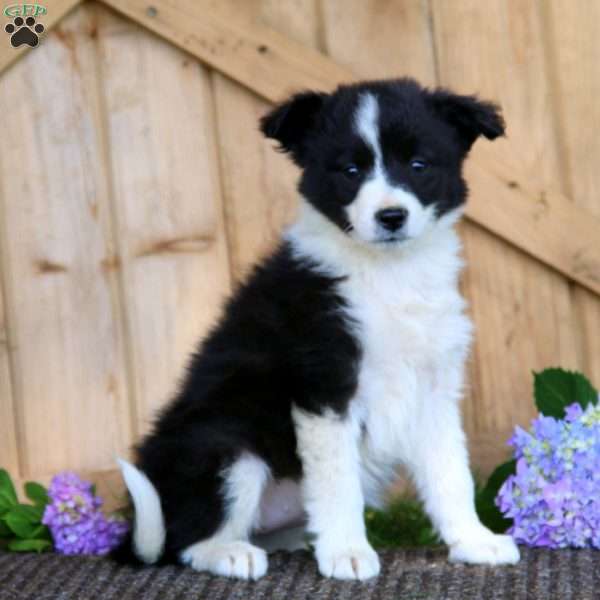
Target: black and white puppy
339,359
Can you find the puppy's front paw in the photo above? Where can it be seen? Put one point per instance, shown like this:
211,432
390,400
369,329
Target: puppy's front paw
355,562
230,559
485,549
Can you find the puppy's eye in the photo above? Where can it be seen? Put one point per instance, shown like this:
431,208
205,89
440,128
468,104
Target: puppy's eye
418,165
351,171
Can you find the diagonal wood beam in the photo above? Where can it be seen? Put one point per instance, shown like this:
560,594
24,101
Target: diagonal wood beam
57,9
543,223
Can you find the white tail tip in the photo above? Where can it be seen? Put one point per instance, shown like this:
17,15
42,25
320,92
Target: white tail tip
149,527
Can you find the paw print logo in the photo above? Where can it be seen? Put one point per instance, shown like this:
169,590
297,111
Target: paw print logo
24,32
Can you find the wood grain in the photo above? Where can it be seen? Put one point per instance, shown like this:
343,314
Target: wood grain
375,39
172,257
259,183
573,50
57,10
252,54
8,423
68,375
482,48
272,65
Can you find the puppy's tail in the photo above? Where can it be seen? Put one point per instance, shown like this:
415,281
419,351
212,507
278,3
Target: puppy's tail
147,540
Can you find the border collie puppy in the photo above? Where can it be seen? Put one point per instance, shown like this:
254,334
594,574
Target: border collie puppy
339,359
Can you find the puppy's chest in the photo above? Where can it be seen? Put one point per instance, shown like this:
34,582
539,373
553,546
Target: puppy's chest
412,332
404,322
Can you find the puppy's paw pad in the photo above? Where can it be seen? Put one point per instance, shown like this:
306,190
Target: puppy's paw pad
230,559
491,549
352,563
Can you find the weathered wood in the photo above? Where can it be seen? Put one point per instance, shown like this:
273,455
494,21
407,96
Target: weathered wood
68,380
272,65
8,422
573,51
507,288
173,261
259,185
374,39
57,10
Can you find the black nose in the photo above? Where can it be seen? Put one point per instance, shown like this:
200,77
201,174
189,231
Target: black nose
392,218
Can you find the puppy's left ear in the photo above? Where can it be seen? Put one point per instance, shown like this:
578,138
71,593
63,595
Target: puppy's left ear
470,116
292,122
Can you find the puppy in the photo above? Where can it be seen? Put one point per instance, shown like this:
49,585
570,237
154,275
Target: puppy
339,359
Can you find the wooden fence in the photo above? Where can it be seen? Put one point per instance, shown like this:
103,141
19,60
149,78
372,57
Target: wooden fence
135,188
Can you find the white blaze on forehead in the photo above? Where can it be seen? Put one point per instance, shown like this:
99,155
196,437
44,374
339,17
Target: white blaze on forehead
367,124
377,191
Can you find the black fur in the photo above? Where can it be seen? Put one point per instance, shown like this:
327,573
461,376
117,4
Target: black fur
283,338
439,126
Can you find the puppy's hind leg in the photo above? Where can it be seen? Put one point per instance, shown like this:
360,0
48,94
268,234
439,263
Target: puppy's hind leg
228,552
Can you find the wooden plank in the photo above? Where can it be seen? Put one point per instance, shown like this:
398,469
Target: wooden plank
57,10
254,55
524,322
167,202
522,309
396,35
8,423
68,376
535,216
272,65
573,49
259,185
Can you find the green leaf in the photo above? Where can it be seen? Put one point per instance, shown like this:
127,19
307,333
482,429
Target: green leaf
5,530
8,495
20,526
36,493
555,389
29,545
488,512
23,520
42,533
33,514
402,523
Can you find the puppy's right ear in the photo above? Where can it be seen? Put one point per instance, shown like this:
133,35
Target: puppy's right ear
292,122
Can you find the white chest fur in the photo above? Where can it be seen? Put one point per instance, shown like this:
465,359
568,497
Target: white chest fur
409,319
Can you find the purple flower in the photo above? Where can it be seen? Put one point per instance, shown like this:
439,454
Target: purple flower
75,520
554,496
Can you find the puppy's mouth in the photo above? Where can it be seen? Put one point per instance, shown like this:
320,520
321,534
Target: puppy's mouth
389,240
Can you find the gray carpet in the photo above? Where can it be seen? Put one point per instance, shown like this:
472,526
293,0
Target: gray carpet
406,575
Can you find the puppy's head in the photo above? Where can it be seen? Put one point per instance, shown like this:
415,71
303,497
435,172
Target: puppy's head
382,160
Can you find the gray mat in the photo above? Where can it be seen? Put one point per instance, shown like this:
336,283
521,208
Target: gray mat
406,575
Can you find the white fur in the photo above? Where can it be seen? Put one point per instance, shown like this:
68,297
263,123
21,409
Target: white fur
410,321
415,338
228,551
377,193
149,528
328,448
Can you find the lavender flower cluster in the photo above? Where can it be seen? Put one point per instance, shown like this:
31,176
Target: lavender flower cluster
75,520
554,497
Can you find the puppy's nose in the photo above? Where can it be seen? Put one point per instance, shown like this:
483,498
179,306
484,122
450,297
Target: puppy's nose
392,218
